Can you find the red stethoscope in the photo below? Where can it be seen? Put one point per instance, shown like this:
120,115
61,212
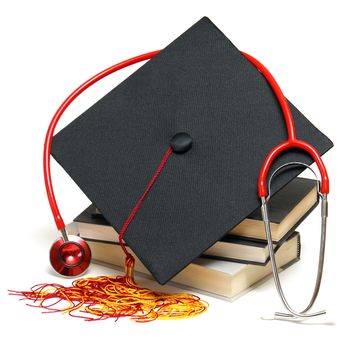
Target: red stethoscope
70,255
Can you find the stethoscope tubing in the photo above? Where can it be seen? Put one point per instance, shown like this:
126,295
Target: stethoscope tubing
291,142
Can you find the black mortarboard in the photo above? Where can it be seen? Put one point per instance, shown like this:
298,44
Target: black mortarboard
200,85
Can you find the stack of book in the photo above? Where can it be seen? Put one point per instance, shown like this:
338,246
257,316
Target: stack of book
236,262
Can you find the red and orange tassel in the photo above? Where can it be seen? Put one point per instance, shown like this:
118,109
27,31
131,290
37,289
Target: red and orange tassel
101,298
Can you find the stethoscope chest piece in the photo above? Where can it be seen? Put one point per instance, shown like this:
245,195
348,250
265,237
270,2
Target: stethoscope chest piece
71,256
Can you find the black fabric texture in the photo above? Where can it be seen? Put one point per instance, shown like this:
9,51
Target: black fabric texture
201,85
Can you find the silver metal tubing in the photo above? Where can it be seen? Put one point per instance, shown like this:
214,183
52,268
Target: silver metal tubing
291,164
64,235
292,315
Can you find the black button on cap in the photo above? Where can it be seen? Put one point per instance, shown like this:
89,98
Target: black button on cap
181,142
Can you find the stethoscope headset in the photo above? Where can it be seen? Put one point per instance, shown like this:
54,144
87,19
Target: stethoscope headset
70,255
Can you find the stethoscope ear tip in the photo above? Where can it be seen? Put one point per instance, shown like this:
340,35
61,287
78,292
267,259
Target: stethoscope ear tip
296,318
70,257
268,317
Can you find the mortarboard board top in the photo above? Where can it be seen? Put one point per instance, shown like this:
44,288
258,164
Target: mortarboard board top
200,85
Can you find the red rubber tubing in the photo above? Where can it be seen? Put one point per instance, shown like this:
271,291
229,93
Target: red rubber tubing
292,141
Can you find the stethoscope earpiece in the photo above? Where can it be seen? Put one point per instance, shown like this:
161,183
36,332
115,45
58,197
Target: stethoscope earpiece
292,314
70,255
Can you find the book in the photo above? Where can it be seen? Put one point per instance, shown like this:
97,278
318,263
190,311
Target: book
223,278
288,207
242,250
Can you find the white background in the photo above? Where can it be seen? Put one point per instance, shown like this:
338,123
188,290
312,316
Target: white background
49,47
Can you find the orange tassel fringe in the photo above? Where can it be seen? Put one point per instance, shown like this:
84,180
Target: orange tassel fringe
100,298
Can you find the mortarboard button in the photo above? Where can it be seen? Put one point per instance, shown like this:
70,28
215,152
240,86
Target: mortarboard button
181,142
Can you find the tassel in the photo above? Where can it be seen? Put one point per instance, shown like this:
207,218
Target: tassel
101,298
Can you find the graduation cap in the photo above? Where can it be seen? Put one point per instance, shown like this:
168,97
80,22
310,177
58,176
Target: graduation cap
204,99
171,157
